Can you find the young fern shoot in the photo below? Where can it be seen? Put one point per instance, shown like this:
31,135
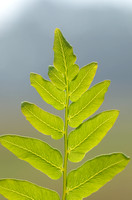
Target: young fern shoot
67,89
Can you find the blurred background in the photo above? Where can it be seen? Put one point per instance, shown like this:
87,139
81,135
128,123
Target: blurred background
99,31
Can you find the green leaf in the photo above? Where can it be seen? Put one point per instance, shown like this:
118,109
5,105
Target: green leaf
43,121
88,103
13,189
83,81
68,88
36,152
64,58
57,78
89,134
48,91
72,72
91,176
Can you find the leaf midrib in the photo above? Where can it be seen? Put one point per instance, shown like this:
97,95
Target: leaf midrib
71,149
63,55
17,193
80,82
59,79
44,122
33,153
69,190
70,117
50,93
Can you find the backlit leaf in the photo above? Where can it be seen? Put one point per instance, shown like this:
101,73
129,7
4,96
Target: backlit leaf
72,72
82,81
88,103
91,176
67,89
23,190
43,121
57,78
89,134
64,58
48,91
36,152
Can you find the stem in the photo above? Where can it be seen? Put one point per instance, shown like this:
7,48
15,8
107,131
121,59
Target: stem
65,144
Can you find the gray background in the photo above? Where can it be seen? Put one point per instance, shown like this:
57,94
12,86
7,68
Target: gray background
101,33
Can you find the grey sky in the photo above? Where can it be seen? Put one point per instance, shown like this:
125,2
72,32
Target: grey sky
10,10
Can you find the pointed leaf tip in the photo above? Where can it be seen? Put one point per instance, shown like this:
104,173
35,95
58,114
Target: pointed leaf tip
23,103
32,74
64,58
57,30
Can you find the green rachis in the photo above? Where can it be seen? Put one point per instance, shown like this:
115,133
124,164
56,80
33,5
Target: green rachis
68,89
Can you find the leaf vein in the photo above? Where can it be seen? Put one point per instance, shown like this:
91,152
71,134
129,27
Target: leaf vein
49,93
71,149
59,79
44,122
34,154
18,193
69,190
70,117
80,82
63,55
